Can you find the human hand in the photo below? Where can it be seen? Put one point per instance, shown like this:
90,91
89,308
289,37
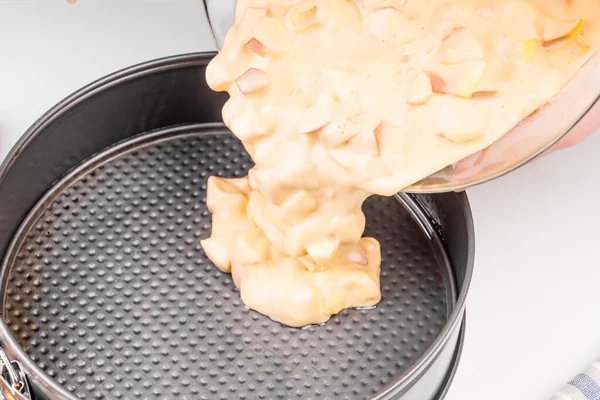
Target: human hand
584,128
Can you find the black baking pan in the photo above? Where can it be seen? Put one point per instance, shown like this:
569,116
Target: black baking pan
107,294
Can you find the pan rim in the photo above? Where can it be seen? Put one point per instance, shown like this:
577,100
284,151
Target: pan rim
456,318
7,338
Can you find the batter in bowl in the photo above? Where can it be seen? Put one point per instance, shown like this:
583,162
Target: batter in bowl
337,100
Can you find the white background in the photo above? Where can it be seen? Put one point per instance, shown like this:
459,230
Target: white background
534,306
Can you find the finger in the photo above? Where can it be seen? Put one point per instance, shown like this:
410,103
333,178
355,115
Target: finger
588,125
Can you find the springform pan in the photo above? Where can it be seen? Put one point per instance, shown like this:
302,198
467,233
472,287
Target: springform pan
107,294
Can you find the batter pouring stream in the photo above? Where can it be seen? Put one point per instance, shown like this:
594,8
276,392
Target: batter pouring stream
336,100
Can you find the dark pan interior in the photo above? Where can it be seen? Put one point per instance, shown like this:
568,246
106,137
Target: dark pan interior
107,289
111,294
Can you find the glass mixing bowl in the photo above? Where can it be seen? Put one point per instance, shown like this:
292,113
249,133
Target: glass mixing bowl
533,136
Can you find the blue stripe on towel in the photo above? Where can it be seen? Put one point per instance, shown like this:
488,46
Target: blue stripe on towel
587,386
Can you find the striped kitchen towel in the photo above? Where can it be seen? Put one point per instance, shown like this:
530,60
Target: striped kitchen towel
585,386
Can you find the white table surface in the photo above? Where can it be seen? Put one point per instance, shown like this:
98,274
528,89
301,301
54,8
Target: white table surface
534,305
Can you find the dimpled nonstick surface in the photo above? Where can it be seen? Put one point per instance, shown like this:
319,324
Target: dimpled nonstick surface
112,296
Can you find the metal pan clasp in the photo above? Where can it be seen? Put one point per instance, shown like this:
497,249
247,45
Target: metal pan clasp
13,381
